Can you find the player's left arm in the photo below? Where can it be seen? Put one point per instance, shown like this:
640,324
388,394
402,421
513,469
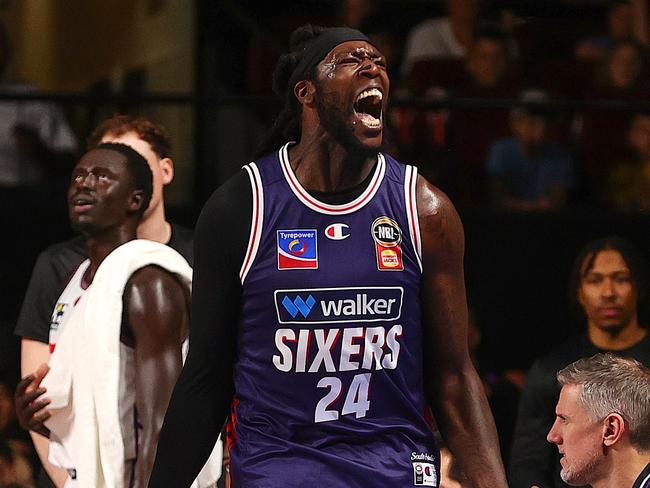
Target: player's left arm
157,315
453,386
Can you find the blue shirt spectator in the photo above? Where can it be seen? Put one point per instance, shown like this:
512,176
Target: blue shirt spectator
528,171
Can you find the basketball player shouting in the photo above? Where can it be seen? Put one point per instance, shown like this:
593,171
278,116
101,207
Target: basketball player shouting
329,302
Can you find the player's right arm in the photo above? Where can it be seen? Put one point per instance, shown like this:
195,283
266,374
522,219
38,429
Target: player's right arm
200,402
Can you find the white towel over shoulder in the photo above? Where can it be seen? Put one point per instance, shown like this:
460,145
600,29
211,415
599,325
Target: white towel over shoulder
83,381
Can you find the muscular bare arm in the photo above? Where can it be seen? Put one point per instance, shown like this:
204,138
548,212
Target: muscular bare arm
157,314
454,388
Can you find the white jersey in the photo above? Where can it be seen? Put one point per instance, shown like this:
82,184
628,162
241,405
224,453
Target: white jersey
130,426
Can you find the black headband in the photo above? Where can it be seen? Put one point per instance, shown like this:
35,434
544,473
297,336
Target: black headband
315,50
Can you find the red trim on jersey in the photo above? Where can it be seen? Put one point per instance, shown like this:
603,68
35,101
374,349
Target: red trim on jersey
297,188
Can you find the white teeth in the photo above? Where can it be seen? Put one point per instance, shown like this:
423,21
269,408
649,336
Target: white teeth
372,92
369,121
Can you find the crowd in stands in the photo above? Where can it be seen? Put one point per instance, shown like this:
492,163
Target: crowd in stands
581,156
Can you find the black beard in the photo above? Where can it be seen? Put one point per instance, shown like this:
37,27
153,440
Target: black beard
330,111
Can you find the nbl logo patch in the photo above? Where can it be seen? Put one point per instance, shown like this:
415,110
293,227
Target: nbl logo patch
388,238
297,249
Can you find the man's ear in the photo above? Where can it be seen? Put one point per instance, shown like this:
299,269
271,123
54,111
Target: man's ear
613,429
166,170
304,92
136,200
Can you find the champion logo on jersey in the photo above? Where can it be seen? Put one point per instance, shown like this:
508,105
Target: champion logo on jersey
297,249
337,232
388,238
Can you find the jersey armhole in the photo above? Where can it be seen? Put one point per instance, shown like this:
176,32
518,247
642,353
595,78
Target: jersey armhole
410,183
256,220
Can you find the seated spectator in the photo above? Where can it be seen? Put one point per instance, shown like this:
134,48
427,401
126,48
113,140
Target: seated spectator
623,77
489,74
527,170
627,187
502,388
625,20
16,453
15,471
449,36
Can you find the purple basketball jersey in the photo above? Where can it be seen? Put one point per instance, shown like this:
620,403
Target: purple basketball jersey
328,379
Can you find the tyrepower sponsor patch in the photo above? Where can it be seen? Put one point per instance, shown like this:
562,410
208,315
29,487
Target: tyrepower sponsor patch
388,238
297,249
338,305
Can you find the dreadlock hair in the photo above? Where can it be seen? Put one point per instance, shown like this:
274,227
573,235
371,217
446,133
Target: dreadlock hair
286,126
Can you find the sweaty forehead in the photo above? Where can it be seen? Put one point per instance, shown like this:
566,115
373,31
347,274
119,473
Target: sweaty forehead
352,47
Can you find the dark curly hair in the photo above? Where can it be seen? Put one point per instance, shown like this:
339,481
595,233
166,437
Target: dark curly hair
286,126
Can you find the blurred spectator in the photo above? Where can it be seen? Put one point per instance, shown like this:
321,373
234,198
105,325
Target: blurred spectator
608,286
15,471
603,137
627,187
501,388
352,13
489,74
16,452
624,20
36,143
380,27
449,36
527,170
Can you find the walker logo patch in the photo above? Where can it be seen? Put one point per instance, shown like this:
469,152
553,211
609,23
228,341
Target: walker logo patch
338,305
297,249
388,238
298,305
337,232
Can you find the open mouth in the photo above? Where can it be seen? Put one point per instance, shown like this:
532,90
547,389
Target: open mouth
81,203
367,107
